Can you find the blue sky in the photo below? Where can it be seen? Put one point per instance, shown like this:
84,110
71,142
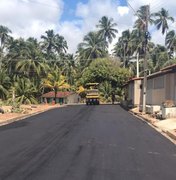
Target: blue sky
73,19
70,8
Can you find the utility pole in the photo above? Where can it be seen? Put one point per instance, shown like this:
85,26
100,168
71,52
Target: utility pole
124,58
137,65
145,60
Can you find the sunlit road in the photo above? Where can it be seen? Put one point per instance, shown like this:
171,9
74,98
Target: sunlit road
85,143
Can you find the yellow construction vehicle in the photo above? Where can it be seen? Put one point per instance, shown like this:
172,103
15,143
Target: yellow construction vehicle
92,94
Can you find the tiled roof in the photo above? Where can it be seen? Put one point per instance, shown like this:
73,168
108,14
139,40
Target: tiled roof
59,94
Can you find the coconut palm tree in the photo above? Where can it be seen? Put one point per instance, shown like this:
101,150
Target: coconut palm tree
142,18
161,20
24,91
61,44
55,81
4,38
158,57
126,41
68,68
92,47
4,35
171,42
106,90
4,84
53,43
106,29
34,62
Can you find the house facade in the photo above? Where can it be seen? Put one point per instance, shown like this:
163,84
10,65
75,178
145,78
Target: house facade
61,97
133,91
161,86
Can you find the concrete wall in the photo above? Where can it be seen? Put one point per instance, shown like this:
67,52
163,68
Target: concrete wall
137,94
155,90
134,92
73,98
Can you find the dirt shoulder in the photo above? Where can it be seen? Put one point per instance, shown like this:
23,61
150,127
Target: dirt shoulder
27,110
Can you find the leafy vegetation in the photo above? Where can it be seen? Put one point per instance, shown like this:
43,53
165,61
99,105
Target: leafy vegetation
31,67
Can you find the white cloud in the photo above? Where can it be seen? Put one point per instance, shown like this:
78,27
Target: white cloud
122,10
72,33
29,18
158,38
26,18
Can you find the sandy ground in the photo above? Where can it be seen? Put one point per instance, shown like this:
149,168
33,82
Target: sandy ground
26,110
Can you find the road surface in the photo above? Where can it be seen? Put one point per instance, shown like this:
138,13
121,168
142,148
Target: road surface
85,143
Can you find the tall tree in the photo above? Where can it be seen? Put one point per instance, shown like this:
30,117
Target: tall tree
171,42
142,18
68,68
53,43
55,81
33,64
161,20
127,45
107,29
92,47
4,38
4,84
4,35
24,91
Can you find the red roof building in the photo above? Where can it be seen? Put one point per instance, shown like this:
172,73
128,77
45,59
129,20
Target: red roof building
61,97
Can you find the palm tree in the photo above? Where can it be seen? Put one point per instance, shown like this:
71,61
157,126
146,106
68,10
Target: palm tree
171,42
142,18
55,81
68,68
53,43
92,47
48,41
106,90
158,58
34,62
4,84
161,20
126,41
4,31
4,38
24,91
61,44
106,29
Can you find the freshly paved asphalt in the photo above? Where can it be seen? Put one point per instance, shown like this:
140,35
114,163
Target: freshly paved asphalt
85,143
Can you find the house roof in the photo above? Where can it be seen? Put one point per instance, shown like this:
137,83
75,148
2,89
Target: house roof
173,66
51,94
132,79
166,70
135,78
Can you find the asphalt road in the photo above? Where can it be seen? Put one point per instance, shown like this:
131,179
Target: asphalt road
85,143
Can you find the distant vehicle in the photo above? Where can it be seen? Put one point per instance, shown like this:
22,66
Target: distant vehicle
92,94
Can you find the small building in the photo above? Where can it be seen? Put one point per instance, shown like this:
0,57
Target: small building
161,86
161,90
133,92
61,97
